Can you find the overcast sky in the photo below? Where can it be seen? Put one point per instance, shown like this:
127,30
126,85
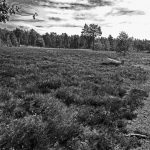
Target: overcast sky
60,16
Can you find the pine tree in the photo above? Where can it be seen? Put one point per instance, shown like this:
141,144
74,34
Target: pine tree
107,45
32,37
25,38
123,43
110,39
9,44
18,34
46,38
92,31
0,42
40,42
13,39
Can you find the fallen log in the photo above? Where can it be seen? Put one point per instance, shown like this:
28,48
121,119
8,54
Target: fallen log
140,136
110,61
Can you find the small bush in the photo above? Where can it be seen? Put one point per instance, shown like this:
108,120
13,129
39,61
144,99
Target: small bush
129,143
93,101
66,133
121,124
90,116
19,112
46,85
134,98
66,95
134,73
5,95
27,133
129,115
103,143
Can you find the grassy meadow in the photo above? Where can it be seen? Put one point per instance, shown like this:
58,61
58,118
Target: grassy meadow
66,99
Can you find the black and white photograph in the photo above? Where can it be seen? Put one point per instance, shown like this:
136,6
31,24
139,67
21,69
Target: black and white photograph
74,75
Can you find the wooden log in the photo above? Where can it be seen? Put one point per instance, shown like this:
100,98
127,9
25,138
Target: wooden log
110,61
114,60
140,136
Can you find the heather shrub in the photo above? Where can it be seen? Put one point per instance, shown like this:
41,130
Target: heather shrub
54,100
91,116
67,96
134,73
5,95
45,86
134,98
27,133
93,100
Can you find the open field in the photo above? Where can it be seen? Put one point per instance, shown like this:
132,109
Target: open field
54,98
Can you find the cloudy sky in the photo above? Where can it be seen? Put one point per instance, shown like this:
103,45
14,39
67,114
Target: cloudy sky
131,16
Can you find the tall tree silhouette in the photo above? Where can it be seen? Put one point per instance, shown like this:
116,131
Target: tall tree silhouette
92,30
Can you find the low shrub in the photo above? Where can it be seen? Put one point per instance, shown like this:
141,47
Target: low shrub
5,95
134,73
134,99
93,100
92,116
45,86
128,115
27,133
103,143
65,95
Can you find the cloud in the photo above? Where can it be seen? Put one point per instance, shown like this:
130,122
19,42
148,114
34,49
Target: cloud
125,22
66,5
25,2
72,5
24,27
27,20
83,16
7,26
78,6
65,25
54,3
40,26
71,25
88,16
124,11
55,18
101,2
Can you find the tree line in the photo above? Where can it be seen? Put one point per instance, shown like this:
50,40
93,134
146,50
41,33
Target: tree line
19,37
